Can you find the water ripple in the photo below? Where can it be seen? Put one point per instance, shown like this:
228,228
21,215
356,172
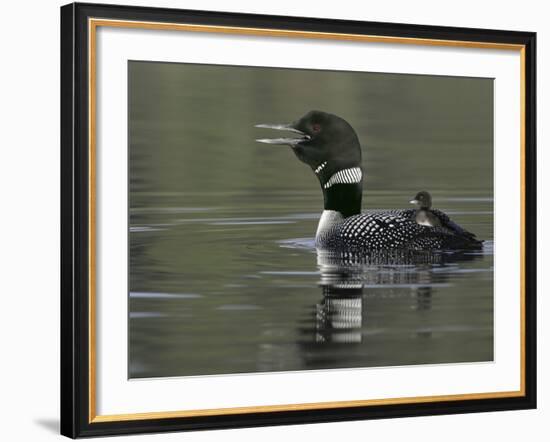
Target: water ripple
154,295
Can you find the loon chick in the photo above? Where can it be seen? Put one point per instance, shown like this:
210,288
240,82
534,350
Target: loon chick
330,147
424,215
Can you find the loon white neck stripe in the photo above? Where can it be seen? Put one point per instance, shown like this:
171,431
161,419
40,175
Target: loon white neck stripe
346,176
320,167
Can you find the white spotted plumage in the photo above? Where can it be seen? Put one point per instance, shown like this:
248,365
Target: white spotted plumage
391,229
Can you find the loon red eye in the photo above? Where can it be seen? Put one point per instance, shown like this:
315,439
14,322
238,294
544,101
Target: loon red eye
316,128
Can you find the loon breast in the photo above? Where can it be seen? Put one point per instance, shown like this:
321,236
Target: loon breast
330,219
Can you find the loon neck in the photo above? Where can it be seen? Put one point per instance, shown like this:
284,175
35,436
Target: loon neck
342,190
344,198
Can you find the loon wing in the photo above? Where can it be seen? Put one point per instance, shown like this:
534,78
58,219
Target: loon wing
451,225
445,238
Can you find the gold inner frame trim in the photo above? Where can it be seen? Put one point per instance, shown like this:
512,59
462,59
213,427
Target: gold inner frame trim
93,24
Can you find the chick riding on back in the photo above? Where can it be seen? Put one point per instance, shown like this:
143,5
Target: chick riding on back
423,215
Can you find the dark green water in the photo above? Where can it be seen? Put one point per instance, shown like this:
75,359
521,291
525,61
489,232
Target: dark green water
223,274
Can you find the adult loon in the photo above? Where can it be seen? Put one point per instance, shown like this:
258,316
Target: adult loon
330,147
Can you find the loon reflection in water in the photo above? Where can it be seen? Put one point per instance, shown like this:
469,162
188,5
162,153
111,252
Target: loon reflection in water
351,282
329,145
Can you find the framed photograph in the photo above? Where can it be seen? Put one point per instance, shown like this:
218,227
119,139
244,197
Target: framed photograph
279,220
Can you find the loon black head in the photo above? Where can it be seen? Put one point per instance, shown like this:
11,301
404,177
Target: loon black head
330,147
422,199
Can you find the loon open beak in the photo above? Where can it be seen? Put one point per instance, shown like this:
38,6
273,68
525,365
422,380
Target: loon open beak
292,142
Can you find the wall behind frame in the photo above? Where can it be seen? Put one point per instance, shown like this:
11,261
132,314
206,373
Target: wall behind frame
29,183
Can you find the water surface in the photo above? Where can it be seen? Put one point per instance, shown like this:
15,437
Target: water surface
224,277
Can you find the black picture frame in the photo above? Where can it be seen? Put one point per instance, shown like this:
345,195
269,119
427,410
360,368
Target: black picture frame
75,221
